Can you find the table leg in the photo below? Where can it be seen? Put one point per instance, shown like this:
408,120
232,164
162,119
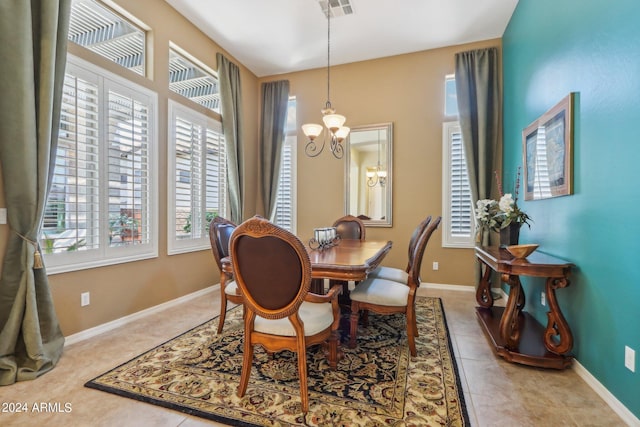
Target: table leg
483,293
510,321
557,326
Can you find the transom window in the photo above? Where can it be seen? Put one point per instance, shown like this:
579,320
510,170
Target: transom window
193,81
107,33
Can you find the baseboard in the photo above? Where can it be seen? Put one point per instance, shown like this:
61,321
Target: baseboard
105,327
460,288
627,416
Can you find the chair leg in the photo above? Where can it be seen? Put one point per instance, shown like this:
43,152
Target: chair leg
411,329
355,315
247,360
302,374
365,318
223,310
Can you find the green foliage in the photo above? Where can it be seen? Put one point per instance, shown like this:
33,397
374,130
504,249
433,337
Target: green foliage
209,216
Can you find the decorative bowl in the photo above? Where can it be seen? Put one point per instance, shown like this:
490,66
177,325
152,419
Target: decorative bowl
522,251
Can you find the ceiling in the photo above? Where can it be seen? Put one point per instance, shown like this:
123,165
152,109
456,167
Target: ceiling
278,36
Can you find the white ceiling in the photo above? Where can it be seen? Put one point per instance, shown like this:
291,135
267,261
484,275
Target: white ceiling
277,36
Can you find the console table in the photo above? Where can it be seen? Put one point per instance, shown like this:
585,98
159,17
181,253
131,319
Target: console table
516,335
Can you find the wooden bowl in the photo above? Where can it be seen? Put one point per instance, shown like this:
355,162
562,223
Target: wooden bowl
522,251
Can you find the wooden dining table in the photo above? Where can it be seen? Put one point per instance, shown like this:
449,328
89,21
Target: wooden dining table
348,260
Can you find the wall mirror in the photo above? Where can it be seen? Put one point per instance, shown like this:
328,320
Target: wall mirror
369,174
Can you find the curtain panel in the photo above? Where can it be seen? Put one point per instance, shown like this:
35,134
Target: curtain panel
480,115
231,109
32,64
275,98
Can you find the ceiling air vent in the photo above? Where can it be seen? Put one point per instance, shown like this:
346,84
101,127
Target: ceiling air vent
337,7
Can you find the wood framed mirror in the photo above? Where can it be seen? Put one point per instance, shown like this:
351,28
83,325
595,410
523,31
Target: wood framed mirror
368,174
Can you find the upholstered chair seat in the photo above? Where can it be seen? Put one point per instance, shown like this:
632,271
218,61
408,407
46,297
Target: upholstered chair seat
316,318
231,288
381,292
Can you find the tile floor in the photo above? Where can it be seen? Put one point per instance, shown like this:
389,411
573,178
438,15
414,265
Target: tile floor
497,393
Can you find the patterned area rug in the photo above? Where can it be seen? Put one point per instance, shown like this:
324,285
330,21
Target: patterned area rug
377,383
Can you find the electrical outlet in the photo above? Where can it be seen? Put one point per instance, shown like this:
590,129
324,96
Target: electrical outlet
435,265
3,215
629,358
85,299
543,299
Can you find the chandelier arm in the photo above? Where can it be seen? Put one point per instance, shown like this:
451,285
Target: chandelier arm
312,150
336,148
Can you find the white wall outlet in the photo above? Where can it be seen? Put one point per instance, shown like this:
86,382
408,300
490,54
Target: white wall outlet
3,215
543,299
435,265
629,358
85,299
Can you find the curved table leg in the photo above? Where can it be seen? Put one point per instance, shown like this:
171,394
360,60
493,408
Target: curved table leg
557,326
510,321
483,293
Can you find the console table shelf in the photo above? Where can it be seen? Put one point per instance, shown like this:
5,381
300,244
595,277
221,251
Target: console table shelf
515,334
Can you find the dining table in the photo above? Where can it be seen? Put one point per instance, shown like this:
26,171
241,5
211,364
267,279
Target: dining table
348,260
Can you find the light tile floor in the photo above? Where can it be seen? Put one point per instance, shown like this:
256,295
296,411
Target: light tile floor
497,393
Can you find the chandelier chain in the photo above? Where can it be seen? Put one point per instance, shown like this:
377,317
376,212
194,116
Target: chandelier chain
328,55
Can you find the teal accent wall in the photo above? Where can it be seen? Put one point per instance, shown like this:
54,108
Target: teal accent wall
551,48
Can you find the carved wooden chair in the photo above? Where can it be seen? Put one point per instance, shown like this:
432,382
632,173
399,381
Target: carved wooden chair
220,230
396,274
273,271
350,227
384,296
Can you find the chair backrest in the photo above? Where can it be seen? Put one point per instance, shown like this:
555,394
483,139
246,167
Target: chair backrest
418,253
220,230
271,266
350,227
414,239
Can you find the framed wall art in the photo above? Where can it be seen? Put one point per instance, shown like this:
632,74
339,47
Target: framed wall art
547,153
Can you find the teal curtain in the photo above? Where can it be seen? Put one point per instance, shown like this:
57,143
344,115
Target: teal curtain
231,109
275,98
32,63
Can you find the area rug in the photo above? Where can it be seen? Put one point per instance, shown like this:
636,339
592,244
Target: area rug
377,383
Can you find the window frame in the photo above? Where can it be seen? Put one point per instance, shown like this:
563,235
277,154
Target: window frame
106,255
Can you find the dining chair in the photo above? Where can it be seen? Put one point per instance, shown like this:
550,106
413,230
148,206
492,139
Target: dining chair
385,296
350,227
273,271
397,274
220,230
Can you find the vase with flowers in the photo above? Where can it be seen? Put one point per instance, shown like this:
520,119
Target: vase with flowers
502,216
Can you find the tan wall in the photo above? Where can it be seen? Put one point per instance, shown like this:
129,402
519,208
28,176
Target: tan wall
123,289
407,90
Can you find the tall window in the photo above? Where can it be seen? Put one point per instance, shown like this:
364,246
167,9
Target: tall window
197,178
101,207
285,215
108,33
458,217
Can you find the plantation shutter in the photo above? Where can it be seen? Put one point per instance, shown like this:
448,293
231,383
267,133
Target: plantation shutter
284,199
128,163
216,174
460,191
72,210
188,178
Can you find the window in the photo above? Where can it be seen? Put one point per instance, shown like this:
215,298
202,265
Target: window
197,178
192,81
101,207
108,34
285,214
458,217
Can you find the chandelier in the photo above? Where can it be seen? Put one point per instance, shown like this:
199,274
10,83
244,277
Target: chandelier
336,132
378,175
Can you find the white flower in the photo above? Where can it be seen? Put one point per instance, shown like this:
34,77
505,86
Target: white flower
506,203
